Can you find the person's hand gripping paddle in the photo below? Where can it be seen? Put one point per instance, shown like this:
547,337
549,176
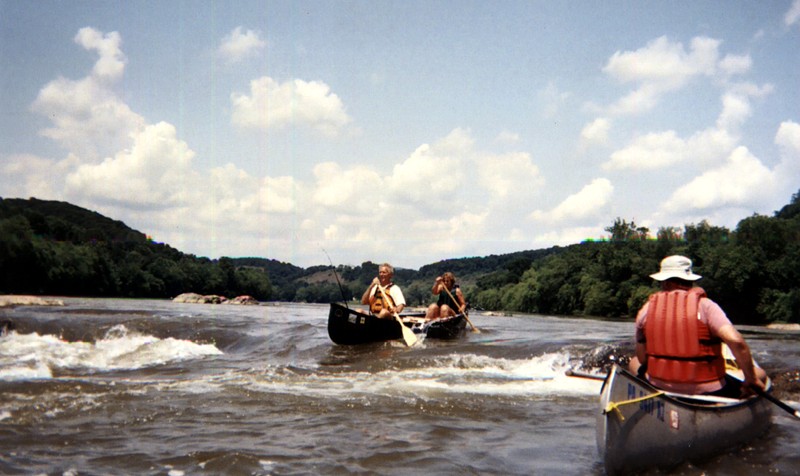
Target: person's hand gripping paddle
408,335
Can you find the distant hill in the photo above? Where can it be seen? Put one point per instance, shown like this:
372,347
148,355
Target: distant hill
63,221
56,248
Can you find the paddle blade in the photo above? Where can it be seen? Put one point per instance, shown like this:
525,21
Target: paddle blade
474,329
408,335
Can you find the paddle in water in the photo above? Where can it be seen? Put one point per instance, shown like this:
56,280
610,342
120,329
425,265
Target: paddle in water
730,361
782,405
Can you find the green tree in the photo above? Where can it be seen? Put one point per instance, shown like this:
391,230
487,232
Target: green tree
21,264
621,230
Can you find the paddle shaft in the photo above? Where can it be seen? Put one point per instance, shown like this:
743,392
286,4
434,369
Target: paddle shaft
408,335
783,406
575,373
466,316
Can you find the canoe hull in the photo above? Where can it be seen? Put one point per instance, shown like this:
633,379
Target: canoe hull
663,431
350,327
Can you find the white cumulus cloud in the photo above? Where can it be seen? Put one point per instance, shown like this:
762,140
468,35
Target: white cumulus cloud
154,173
741,181
299,103
788,140
239,44
512,175
341,190
736,64
86,118
651,151
596,132
586,204
663,66
278,194
111,63
793,14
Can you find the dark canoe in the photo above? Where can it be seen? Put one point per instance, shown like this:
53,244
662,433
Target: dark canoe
350,327
661,431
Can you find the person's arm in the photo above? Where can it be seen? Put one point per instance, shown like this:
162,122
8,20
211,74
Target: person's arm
638,364
368,292
722,328
398,298
744,358
641,352
462,303
436,288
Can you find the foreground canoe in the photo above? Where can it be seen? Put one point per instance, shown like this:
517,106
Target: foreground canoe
350,327
640,427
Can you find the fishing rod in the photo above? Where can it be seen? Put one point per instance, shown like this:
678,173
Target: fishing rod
341,289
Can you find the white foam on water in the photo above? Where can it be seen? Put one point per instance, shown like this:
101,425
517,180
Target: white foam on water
452,375
541,375
34,356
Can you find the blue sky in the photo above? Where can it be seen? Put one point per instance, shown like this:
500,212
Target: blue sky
407,132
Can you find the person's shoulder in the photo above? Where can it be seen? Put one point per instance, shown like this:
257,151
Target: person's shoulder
707,301
712,311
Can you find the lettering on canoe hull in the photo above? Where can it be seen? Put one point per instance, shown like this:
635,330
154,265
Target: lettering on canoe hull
651,406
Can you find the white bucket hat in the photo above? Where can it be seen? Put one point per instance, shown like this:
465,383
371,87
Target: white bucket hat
676,267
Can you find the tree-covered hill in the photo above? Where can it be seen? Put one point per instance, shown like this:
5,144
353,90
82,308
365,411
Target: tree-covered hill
753,272
62,221
56,248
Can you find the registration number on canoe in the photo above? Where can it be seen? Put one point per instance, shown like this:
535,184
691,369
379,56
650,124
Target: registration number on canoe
651,406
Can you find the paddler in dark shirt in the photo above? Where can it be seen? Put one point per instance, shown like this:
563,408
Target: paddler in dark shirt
446,288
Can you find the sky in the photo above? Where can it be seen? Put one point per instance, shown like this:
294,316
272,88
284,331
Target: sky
408,132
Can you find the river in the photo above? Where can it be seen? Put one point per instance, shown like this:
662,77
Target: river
115,386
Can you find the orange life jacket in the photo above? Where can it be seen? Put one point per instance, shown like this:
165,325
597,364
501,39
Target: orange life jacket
680,347
376,300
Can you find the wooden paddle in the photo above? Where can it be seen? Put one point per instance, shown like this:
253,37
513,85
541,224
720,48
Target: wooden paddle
408,335
466,316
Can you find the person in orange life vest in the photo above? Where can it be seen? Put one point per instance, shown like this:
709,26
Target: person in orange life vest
445,306
679,337
382,306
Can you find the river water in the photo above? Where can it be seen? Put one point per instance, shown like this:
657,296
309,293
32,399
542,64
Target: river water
111,386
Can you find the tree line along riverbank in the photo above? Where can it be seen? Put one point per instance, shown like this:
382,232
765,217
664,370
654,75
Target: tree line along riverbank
753,271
